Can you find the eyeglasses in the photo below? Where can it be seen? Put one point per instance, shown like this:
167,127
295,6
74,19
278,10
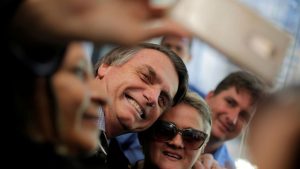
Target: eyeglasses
165,131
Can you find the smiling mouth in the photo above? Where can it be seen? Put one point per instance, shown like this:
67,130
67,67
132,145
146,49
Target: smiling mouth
136,106
224,127
172,155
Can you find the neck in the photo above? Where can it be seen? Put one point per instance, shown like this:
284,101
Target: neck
112,124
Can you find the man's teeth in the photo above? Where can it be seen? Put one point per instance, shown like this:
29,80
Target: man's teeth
172,155
137,107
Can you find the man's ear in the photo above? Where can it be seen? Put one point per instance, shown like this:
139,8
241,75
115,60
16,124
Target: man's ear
209,95
102,70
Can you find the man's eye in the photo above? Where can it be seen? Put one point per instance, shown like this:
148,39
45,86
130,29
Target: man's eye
163,101
231,103
146,78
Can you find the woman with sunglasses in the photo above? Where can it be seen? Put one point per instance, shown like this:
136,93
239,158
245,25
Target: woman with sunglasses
178,138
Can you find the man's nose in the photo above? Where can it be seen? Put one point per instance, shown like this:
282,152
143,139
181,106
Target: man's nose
232,117
151,95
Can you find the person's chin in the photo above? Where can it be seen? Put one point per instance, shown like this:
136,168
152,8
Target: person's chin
135,127
168,165
218,134
128,124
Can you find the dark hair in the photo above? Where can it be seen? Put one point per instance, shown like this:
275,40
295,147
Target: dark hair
122,54
243,80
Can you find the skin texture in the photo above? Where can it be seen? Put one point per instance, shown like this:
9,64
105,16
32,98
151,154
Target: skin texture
183,116
141,85
231,112
78,98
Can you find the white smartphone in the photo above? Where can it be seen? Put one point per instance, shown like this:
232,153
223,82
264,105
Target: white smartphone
246,38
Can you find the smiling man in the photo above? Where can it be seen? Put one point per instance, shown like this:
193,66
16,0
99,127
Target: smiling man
142,82
232,104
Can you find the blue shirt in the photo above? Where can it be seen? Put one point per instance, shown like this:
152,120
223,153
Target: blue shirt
131,147
223,157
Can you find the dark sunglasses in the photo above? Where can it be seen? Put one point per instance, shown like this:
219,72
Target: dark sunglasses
165,131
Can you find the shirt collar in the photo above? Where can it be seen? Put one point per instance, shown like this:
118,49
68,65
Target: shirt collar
101,122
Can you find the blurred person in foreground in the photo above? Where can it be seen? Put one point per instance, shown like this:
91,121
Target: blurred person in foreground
179,137
274,133
58,115
232,103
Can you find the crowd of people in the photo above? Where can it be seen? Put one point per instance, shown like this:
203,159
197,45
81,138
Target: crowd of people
68,113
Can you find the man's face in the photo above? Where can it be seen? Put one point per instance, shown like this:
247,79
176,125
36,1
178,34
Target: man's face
231,112
139,91
178,45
